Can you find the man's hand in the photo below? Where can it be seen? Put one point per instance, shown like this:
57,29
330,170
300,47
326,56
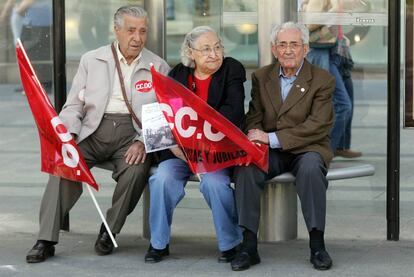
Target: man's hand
258,136
135,153
178,153
249,160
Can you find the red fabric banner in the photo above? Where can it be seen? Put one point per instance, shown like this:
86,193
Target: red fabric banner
60,154
209,140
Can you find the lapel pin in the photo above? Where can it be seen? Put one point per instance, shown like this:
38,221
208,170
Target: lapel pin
297,86
302,89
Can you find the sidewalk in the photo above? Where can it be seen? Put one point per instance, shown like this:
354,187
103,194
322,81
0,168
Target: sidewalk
356,216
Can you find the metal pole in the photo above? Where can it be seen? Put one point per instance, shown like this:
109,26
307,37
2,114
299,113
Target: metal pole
156,22
393,121
269,12
155,43
59,54
59,65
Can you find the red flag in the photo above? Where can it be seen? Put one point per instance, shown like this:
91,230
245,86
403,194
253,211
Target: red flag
209,140
60,154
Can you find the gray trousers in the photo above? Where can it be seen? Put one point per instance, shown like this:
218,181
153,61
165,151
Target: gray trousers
311,185
108,143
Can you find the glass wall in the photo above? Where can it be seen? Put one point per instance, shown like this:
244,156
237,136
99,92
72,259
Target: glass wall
30,21
360,57
89,27
236,22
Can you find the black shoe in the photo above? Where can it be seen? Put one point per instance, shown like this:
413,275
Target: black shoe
321,260
228,255
104,245
154,255
40,252
244,260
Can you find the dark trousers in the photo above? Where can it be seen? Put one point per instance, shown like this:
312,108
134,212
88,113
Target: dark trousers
311,185
108,143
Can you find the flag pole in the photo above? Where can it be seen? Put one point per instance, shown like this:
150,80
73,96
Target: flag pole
102,217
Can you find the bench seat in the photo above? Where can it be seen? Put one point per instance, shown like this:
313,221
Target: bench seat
278,216
278,221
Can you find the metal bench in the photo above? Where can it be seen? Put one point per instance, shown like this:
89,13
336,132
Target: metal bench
278,221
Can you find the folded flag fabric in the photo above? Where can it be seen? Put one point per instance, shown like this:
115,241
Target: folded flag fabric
59,152
209,141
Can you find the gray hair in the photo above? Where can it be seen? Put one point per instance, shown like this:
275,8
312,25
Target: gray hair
190,39
134,11
287,26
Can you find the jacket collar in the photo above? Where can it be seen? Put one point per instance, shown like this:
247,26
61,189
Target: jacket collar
299,89
105,54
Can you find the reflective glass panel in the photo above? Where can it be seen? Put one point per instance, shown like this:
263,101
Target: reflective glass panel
89,27
235,21
349,38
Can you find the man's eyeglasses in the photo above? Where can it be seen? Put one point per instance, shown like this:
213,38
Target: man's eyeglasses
205,51
283,46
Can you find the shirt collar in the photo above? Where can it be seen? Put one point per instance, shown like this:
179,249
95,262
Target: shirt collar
121,57
282,74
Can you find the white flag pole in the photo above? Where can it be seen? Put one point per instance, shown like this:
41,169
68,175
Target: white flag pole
101,215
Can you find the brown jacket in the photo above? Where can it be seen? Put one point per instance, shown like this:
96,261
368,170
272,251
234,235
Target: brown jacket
303,122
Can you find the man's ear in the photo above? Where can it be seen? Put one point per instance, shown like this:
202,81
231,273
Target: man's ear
274,50
306,49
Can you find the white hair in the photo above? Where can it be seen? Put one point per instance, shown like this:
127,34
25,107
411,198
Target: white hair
135,11
287,26
189,41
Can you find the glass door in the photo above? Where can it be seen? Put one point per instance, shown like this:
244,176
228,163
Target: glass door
235,21
358,58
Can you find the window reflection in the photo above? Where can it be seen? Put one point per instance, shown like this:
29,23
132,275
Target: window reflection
364,24
31,21
236,22
89,24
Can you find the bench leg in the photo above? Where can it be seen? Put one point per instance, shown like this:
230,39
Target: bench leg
145,214
278,219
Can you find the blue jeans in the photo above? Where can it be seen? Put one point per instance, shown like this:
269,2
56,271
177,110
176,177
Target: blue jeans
167,189
345,142
319,57
342,106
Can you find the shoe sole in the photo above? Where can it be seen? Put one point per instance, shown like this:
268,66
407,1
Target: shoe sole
320,267
102,253
33,260
226,261
152,261
156,261
254,261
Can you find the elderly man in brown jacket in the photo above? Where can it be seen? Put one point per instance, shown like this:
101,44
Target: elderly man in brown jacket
291,111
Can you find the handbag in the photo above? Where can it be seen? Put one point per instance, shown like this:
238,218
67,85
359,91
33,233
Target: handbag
323,37
118,69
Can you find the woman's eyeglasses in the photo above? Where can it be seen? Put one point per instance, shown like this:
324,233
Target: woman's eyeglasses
205,51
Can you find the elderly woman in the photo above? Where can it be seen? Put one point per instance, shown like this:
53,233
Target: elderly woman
219,82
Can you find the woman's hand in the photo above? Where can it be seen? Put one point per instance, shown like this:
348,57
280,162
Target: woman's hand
178,153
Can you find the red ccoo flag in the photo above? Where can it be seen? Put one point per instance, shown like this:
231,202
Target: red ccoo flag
209,141
60,154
